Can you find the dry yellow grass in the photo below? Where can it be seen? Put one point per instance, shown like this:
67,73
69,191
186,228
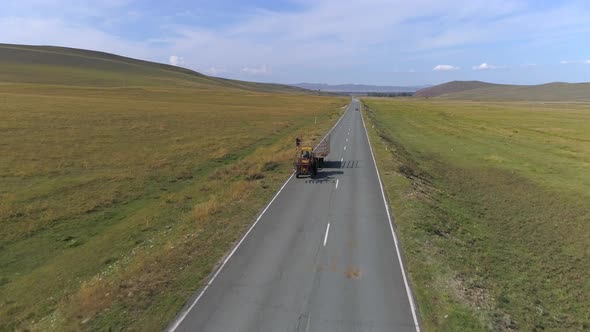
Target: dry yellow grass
135,191
241,190
206,209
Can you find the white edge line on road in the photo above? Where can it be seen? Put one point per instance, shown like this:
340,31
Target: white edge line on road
337,183
395,241
185,313
326,236
181,318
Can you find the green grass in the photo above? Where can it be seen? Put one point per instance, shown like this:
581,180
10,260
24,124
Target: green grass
563,92
76,67
455,87
116,201
491,201
481,91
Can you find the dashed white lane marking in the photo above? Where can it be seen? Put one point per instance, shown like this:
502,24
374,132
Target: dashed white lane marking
182,316
337,183
326,236
345,148
347,139
341,159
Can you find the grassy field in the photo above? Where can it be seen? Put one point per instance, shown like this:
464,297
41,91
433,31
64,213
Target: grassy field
117,200
491,201
482,91
454,87
564,92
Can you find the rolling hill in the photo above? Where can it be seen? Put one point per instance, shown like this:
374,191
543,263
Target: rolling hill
77,67
481,91
452,87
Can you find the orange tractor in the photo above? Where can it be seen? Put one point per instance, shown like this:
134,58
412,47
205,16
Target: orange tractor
308,159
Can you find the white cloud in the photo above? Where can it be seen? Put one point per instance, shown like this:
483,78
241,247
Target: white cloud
484,66
215,71
261,70
316,41
176,60
445,68
316,38
528,65
568,62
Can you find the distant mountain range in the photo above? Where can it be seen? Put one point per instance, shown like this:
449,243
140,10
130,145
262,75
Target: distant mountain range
358,88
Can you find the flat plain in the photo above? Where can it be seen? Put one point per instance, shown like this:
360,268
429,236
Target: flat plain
491,201
123,183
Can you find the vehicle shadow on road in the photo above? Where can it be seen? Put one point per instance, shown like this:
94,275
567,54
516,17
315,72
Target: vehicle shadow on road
331,164
325,175
327,172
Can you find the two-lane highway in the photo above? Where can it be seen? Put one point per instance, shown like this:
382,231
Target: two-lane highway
321,257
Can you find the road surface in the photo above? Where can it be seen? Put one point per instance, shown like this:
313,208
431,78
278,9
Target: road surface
321,257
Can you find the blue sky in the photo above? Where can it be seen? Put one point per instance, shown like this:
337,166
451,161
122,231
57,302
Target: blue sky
325,41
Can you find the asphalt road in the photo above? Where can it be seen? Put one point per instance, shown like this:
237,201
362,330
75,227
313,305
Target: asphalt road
322,256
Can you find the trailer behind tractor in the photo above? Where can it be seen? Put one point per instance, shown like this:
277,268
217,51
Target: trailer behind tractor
308,159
